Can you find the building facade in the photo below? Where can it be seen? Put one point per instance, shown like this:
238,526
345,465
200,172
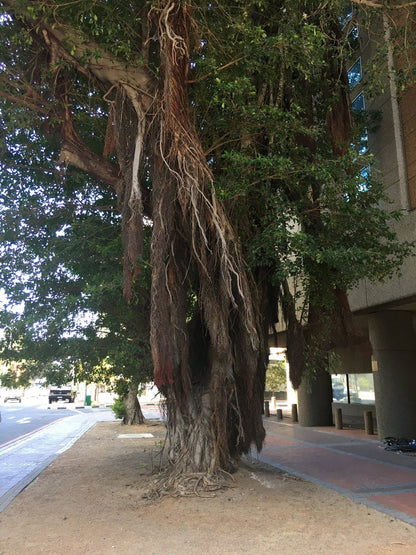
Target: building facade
387,311
385,381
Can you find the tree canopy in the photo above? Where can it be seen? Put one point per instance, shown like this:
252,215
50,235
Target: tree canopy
228,125
61,259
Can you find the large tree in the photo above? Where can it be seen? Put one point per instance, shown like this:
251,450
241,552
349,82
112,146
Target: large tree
288,158
245,100
195,253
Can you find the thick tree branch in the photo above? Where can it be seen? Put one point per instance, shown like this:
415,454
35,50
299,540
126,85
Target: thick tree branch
55,171
76,153
23,102
87,57
28,100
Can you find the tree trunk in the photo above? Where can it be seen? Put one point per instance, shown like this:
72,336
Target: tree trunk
134,413
209,368
315,399
190,439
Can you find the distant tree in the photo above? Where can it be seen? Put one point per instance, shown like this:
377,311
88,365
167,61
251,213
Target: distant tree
276,377
12,372
61,266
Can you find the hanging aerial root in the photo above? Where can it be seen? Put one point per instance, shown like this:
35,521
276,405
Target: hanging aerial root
195,249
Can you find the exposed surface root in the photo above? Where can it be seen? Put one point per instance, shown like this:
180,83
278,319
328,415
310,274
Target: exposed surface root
200,484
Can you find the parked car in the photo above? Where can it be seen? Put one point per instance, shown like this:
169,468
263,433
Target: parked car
12,395
339,391
61,393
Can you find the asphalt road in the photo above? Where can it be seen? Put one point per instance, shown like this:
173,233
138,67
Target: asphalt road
19,419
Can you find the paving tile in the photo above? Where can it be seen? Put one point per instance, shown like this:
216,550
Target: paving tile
311,435
403,502
278,441
340,469
378,453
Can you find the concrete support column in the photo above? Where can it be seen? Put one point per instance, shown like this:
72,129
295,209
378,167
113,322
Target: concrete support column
315,399
393,337
291,393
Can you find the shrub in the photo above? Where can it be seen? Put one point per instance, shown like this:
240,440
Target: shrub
118,408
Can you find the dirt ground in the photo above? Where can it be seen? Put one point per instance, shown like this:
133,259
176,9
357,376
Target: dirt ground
90,500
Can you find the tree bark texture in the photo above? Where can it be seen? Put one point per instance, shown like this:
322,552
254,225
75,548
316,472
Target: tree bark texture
208,368
134,413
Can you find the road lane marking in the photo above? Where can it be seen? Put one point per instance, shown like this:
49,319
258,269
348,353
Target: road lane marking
21,439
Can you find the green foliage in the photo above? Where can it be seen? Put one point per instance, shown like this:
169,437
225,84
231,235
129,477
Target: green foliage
118,408
60,230
276,377
301,211
262,85
13,375
61,259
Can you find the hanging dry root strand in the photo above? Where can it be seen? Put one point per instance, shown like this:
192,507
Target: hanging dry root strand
195,248
180,149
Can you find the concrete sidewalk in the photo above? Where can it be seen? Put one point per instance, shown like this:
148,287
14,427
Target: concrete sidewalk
347,461
24,459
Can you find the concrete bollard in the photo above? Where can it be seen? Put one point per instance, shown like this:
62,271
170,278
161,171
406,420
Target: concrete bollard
294,412
338,419
279,414
266,408
368,422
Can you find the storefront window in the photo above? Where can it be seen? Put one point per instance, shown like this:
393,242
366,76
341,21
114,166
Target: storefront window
358,104
364,177
339,388
353,39
346,15
353,388
358,110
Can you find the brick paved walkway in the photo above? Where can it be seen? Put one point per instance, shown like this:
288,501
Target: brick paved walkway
347,461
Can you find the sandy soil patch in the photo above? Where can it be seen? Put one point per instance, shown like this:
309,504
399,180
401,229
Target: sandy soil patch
90,500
